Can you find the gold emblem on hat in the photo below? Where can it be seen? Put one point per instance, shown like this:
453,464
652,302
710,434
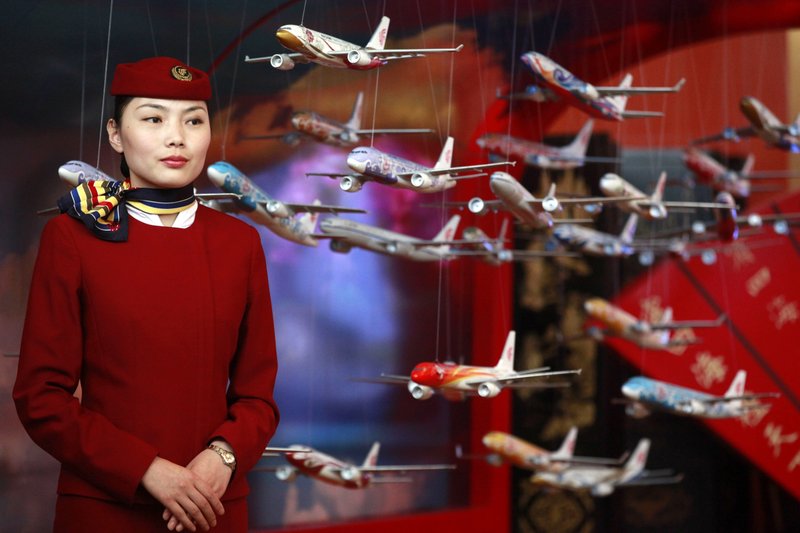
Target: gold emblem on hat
181,73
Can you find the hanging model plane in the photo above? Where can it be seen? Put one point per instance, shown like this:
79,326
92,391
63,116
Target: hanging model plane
322,467
308,124
606,103
764,125
651,335
387,169
593,242
346,234
541,155
515,451
456,382
279,217
309,46
602,480
644,394
738,183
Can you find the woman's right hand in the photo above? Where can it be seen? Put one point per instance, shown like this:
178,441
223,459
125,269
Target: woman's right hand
190,499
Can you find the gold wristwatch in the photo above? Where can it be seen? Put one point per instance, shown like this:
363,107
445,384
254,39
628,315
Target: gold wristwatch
227,457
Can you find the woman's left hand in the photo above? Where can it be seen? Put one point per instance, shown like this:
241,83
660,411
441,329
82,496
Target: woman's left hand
209,467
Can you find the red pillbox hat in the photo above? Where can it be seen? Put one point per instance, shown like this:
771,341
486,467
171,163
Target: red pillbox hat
161,77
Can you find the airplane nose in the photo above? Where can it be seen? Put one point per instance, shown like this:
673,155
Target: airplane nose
357,164
287,38
630,390
750,110
216,175
610,183
490,440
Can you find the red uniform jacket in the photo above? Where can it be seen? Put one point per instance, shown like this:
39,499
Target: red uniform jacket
170,335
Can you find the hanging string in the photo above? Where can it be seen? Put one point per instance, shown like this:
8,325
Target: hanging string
213,79
303,15
152,33
233,85
105,82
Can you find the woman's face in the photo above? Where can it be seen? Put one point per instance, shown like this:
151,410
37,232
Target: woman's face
164,141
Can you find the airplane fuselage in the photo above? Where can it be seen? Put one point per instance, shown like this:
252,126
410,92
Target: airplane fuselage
582,478
615,186
680,400
379,240
579,93
230,179
328,469
384,168
765,125
520,453
517,199
712,173
323,129
75,173
625,325
591,241
316,46
533,153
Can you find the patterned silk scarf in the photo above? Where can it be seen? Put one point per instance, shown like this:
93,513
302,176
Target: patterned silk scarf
99,204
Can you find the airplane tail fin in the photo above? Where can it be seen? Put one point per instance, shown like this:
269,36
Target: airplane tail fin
630,228
737,385
577,148
658,193
308,221
636,463
748,164
567,448
446,157
622,100
378,39
372,456
666,318
449,230
796,122
501,237
355,117
506,361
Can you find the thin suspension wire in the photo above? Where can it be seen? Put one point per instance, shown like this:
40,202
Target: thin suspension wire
211,53
105,78
152,33
303,15
513,67
233,85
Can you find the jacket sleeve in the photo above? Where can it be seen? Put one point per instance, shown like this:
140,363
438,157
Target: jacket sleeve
51,354
252,413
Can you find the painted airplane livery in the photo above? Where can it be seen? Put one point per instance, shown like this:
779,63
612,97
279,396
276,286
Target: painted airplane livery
309,46
606,103
325,130
456,382
323,467
279,217
644,394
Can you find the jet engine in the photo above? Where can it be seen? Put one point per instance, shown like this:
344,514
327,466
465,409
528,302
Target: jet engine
488,390
636,410
419,392
421,180
350,184
550,203
589,92
281,62
286,473
349,473
277,209
657,211
477,205
359,58
340,247
602,489
539,160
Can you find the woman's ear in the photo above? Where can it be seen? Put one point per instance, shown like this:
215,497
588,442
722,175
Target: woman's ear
114,138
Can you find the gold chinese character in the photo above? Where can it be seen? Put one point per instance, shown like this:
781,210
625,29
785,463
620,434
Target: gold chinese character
758,281
774,438
781,312
709,369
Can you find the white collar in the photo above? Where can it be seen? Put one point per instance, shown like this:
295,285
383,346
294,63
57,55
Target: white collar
184,219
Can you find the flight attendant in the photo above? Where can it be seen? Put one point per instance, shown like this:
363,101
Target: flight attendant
160,309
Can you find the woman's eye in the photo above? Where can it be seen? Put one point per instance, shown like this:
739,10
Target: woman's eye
195,121
153,120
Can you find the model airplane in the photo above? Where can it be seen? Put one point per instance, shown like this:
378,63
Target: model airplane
512,196
606,103
651,335
541,155
317,465
644,394
276,215
738,183
456,382
593,242
309,46
346,234
763,124
322,129
387,169
515,451
648,207
602,480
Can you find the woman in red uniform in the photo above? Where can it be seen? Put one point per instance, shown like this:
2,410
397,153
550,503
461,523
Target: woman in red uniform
160,309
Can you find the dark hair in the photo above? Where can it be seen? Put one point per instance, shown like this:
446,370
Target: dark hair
120,103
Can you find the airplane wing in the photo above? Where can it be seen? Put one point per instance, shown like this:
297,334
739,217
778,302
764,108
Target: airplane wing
591,200
391,379
488,204
296,57
399,53
696,205
743,397
454,170
641,114
389,130
691,323
649,478
332,175
511,255
728,134
531,374
619,91
405,468
311,208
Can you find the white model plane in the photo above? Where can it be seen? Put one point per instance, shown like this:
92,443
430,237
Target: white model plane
325,130
736,182
644,394
279,217
542,155
506,448
346,234
602,480
606,103
652,335
309,46
593,242
387,169
763,124
317,465
456,382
